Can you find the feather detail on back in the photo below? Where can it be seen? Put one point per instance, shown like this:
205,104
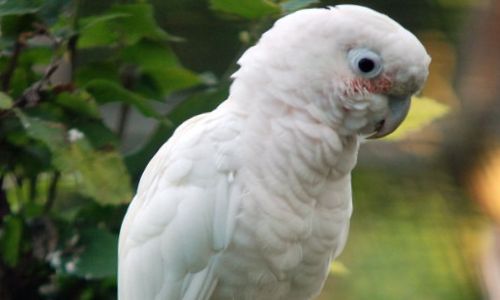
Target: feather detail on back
182,215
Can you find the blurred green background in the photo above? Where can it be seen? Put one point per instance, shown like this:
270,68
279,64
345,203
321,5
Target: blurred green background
90,90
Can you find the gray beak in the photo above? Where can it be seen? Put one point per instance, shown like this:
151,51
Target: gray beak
398,109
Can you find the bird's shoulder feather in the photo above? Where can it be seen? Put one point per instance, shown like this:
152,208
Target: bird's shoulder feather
183,213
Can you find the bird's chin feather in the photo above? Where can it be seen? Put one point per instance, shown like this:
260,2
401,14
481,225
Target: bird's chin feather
362,113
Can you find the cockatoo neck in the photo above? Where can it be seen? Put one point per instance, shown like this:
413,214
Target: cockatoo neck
275,92
289,125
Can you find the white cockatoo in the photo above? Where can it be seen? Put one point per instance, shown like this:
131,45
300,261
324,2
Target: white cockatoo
253,200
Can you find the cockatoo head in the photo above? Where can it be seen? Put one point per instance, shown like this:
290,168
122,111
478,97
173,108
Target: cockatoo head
347,66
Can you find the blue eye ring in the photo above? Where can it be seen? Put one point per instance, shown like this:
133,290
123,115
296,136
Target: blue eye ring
365,62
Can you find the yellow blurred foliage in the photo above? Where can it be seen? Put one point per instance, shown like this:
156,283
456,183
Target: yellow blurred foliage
423,111
338,268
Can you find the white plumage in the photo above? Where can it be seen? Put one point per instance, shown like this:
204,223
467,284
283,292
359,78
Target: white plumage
253,200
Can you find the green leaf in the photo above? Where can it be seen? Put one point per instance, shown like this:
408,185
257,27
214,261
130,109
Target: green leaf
105,91
61,25
171,79
99,256
20,80
5,101
80,103
6,42
125,24
294,5
52,134
36,55
160,63
422,112
10,239
53,10
150,55
13,25
99,259
97,35
96,70
96,30
19,7
100,175
249,9
97,133
92,21
141,22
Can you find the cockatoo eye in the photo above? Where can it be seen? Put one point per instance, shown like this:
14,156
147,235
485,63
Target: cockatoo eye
365,62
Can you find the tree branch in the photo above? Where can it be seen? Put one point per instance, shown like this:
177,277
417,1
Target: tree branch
51,195
4,205
31,96
11,67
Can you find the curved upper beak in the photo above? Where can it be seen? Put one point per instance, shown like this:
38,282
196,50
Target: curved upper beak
398,109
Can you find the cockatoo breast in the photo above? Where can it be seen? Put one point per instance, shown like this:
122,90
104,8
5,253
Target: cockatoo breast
294,178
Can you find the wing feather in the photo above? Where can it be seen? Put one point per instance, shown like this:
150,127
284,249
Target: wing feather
183,214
